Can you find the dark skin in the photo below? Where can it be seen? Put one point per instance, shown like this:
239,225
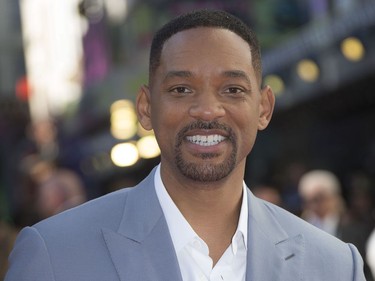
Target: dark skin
206,75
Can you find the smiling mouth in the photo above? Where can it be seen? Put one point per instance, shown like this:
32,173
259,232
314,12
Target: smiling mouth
208,140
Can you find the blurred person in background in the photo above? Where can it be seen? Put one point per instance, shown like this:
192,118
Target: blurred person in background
32,171
60,191
32,162
44,134
47,189
325,207
192,217
323,204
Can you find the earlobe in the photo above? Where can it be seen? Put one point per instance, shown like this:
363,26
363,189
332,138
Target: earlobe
266,107
143,107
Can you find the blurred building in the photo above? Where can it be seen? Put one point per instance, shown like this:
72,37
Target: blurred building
70,71
11,49
14,113
318,56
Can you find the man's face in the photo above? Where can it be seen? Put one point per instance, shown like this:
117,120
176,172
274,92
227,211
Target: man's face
321,203
205,104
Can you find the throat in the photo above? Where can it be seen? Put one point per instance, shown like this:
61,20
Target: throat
218,241
217,230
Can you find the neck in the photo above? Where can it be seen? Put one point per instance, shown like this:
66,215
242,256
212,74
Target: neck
212,209
199,201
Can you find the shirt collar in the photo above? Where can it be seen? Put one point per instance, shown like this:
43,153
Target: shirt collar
240,236
181,231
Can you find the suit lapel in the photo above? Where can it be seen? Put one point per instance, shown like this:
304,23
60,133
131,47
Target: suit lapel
142,249
271,255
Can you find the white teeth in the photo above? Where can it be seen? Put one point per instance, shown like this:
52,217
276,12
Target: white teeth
206,140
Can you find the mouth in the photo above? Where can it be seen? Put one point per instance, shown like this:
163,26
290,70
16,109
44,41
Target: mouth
205,136
206,140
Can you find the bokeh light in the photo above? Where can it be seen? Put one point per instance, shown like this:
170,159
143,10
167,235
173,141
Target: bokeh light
276,83
148,147
352,49
308,70
124,154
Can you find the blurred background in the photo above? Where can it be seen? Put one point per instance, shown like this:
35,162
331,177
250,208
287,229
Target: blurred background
70,71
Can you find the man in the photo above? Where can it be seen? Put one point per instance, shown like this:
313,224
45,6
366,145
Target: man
325,208
324,205
192,218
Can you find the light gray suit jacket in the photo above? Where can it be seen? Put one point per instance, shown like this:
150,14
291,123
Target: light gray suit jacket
124,236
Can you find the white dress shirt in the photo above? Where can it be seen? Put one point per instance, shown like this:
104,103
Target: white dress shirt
193,253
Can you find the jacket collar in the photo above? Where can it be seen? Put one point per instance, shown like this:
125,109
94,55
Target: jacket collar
272,254
142,249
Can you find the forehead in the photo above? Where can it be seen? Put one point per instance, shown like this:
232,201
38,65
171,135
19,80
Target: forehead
206,44
205,50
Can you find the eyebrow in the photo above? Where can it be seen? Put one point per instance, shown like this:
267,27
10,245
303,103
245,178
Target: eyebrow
227,73
178,73
237,74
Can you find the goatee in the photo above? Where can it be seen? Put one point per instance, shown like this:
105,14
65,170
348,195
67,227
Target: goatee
206,172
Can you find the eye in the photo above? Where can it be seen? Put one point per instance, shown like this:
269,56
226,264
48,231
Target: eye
180,90
234,90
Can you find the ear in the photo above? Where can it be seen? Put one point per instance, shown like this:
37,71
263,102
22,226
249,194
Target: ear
266,107
143,107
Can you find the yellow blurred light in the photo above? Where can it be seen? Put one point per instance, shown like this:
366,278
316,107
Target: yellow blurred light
352,49
123,134
124,154
123,119
119,104
275,82
148,147
308,70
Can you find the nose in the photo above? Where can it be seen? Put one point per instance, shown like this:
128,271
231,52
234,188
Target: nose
207,107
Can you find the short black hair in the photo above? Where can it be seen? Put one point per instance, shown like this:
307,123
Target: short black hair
205,18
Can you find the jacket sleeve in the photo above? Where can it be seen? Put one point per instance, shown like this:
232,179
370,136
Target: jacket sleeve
358,272
29,259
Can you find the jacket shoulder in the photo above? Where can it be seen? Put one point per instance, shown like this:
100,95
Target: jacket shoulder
324,254
104,211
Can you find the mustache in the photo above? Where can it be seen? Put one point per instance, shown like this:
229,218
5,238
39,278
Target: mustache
205,125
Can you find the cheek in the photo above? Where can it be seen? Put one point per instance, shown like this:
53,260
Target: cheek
167,119
165,111
166,123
